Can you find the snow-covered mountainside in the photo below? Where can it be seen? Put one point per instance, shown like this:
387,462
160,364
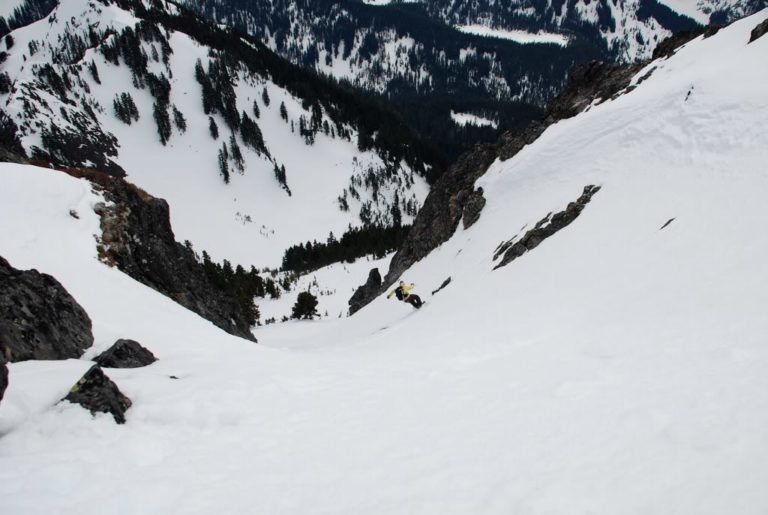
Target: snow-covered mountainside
617,367
399,50
629,29
252,154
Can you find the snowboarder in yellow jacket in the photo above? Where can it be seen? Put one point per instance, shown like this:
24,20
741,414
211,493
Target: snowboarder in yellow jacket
403,292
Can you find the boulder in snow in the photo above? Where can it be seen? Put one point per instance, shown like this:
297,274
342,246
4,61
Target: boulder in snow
39,319
125,354
96,392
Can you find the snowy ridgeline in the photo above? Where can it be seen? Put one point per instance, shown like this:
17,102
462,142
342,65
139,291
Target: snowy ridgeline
294,171
619,367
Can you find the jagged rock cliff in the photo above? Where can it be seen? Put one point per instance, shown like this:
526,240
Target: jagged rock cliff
138,239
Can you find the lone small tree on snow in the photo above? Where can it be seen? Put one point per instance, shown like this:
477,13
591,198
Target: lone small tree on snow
305,307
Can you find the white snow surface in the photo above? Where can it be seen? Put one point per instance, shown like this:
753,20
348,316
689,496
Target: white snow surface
519,36
616,368
472,119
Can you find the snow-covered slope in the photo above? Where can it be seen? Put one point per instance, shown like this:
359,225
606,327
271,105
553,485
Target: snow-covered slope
616,368
630,29
67,70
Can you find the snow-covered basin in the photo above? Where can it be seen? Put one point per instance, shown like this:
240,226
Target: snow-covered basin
617,368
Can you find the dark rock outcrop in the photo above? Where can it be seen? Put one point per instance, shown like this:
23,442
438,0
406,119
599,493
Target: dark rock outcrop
545,228
371,285
3,374
473,205
125,354
443,285
39,319
137,238
759,31
96,392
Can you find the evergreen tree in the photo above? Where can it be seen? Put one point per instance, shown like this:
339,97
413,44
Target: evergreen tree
223,163
94,72
163,122
281,178
125,109
305,306
265,97
9,41
213,128
256,111
283,111
236,154
179,120
251,134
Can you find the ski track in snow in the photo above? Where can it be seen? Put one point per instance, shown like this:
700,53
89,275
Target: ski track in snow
616,368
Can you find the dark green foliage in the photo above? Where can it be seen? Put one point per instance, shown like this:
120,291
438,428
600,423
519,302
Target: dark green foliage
127,45
244,284
55,82
256,111
179,120
265,97
236,154
86,146
5,83
355,243
305,306
160,88
9,135
125,108
213,128
28,12
281,178
224,163
283,111
8,41
251,134
94,72
163,121
218,93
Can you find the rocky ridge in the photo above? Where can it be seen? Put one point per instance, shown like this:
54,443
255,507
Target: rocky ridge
138,239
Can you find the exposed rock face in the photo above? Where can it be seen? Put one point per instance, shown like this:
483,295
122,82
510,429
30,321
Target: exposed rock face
96,392
3,375
472,208
759,31
545,228
125,354
137,238
39,319
371,285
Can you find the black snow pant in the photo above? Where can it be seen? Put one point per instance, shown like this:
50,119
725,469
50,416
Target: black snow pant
414,300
